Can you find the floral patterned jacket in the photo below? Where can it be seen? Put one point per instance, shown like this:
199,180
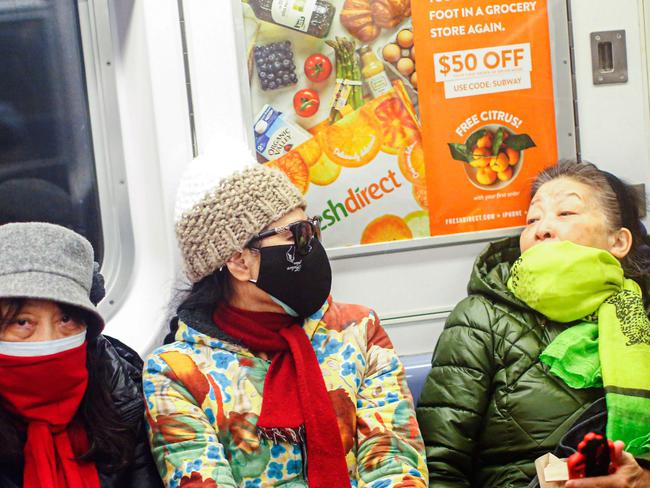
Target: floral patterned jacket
204,396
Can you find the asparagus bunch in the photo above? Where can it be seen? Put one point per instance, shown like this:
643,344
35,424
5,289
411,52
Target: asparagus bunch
347,68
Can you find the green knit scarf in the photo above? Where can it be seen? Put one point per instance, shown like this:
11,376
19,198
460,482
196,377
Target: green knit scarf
610,346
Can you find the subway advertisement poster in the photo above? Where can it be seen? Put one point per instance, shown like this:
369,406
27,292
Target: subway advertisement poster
388,142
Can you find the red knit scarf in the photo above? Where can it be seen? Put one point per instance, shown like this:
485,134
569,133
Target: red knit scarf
294,390
45,392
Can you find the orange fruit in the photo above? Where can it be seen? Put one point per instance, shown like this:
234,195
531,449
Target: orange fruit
318,128
353,141
505,175
513,156
292,165
481,152
398,128
480,162
324,172
485,176
386,228
418,222
420,196
499,162
481,157
412,164
485,141
310,151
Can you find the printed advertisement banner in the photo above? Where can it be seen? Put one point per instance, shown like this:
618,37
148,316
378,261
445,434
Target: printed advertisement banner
385,152
487,108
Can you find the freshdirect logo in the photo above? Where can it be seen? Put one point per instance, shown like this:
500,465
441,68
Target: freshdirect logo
358,199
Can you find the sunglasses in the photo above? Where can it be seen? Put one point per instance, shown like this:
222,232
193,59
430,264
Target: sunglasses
303,232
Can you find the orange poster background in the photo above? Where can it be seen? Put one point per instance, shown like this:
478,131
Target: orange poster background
455,203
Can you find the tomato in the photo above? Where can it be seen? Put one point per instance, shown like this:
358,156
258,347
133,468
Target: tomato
318,67
306,103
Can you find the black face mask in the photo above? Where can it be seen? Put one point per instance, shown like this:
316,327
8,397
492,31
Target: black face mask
302,283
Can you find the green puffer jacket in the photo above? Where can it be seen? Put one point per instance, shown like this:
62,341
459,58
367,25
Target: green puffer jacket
489,408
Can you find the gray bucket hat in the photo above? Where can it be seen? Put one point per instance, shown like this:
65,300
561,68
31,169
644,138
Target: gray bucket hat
48,262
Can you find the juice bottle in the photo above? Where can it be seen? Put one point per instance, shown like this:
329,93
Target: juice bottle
313,17
373,72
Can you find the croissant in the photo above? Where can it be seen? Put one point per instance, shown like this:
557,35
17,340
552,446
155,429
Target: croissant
407,9
357,18
389,13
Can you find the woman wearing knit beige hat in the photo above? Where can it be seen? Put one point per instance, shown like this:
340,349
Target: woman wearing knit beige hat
265,380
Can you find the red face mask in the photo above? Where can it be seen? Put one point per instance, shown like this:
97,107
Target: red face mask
45,392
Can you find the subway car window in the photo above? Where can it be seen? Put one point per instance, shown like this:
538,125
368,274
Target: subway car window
47,167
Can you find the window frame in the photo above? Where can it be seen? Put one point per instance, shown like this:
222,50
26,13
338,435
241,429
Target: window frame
106,131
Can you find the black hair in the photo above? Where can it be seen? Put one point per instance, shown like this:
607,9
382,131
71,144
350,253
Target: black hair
620,203
203,296
111,440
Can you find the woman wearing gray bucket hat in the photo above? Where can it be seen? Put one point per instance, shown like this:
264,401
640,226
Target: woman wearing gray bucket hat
71,404
265,380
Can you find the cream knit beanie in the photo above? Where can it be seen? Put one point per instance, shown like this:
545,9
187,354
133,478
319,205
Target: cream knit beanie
217,215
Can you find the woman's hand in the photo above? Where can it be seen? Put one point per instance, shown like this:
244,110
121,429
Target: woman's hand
628,475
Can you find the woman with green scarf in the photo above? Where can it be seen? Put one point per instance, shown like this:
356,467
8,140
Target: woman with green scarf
552,324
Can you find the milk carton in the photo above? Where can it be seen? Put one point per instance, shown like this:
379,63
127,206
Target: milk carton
275,136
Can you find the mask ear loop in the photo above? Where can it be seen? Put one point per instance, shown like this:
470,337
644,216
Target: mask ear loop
253,249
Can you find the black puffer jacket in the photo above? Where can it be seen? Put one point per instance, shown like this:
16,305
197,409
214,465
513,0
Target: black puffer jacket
489,407
124,377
